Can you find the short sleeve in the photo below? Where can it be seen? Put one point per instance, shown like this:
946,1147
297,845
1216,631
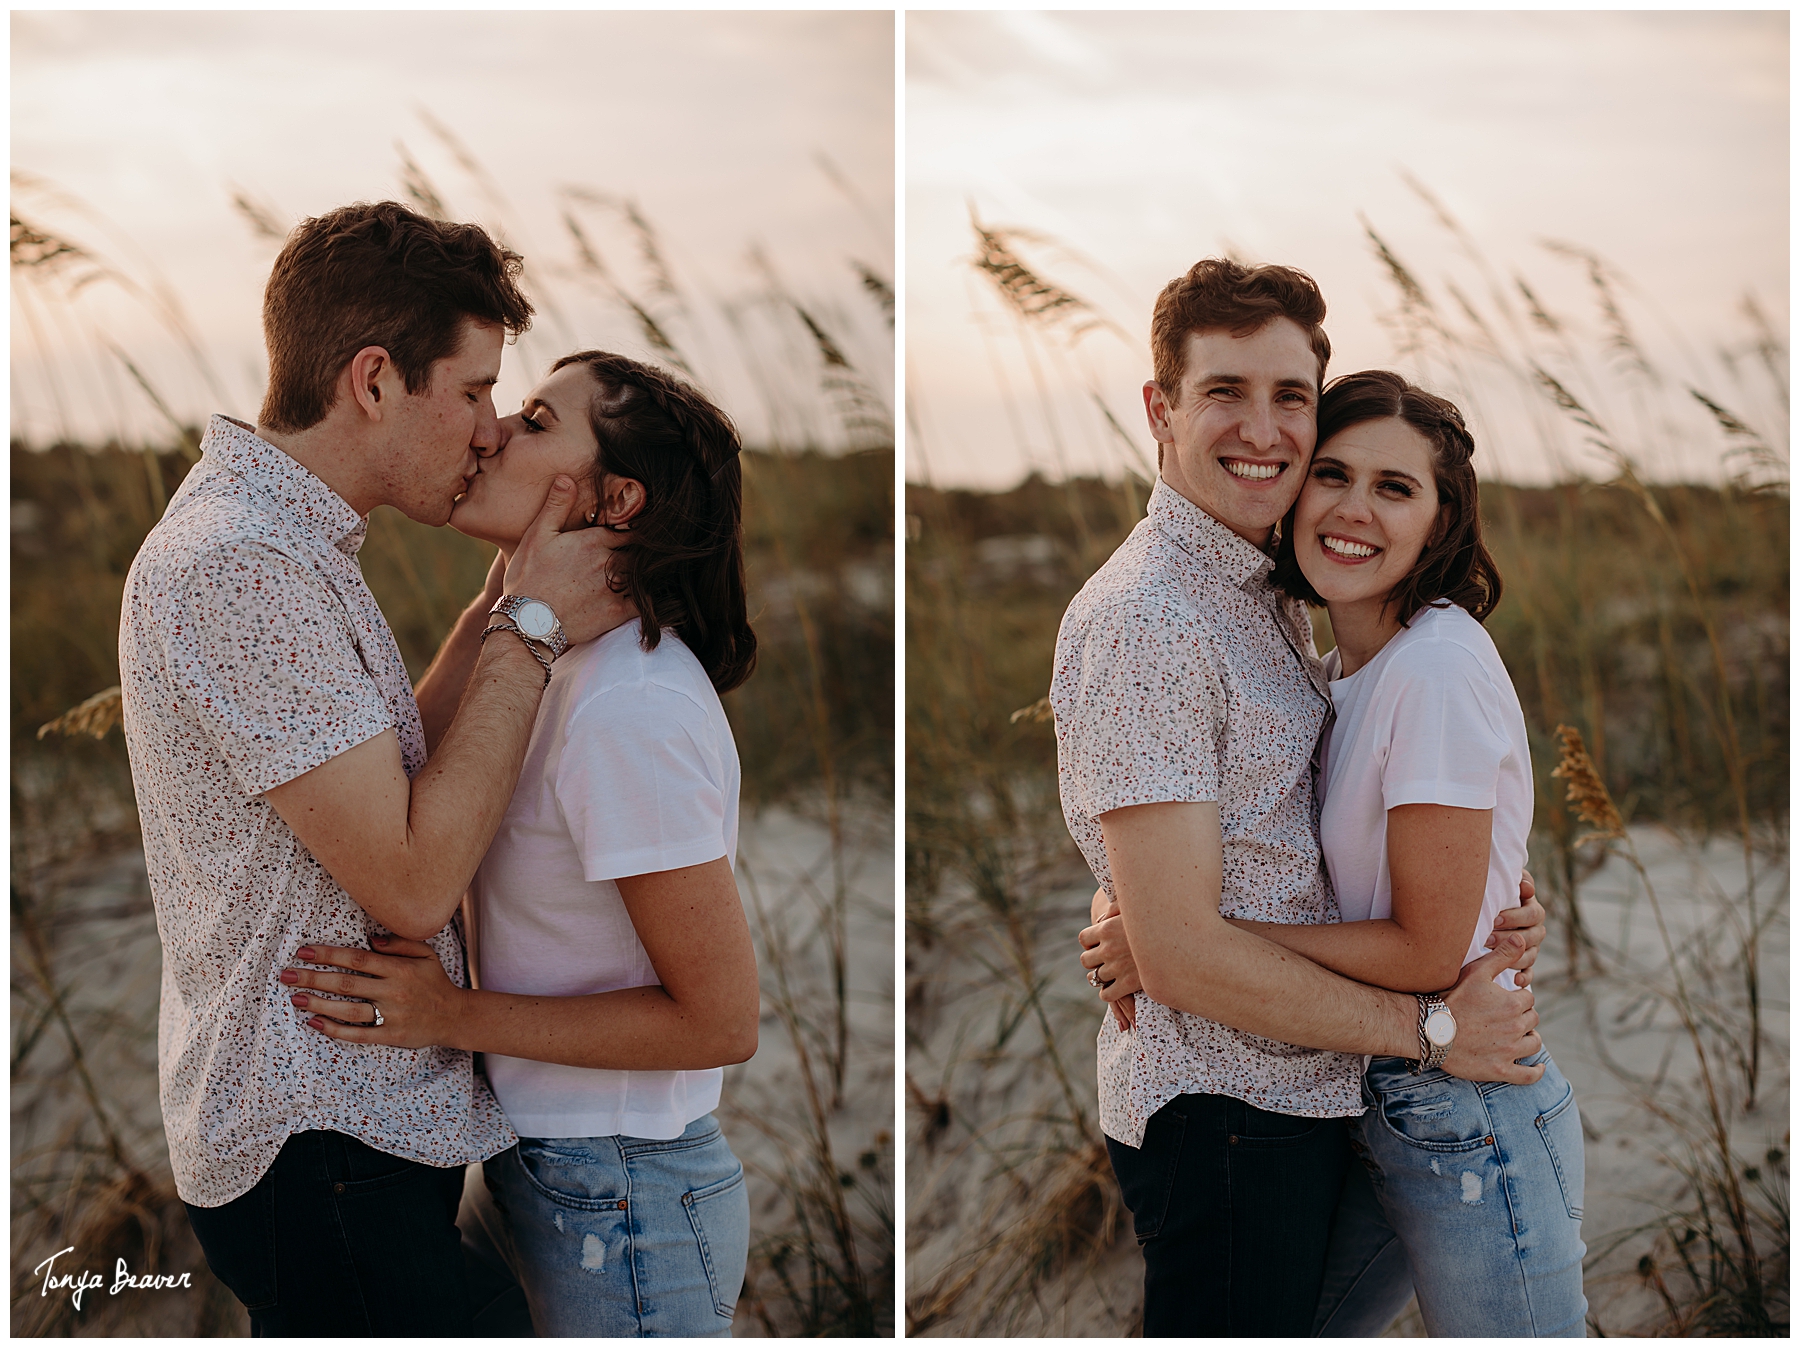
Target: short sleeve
1140,715
1448,734
262,652
641,783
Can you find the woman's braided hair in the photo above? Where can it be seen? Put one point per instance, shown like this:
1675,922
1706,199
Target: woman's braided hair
683,563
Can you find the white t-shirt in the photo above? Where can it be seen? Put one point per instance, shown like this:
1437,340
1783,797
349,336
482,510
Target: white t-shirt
1431,720
631,769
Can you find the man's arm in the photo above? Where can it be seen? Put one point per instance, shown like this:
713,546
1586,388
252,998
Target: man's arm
405,850
1167,862
440,691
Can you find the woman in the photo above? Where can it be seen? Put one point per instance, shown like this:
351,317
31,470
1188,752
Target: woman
615,969
1426,784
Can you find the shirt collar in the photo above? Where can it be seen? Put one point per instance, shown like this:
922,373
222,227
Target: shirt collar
300,497
1211,544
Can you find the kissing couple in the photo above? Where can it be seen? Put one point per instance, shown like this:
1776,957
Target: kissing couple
360,884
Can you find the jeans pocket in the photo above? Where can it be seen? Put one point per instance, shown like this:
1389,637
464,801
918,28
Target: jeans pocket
1146,1174
720,1216
1434,1113
572,1176
238,1241
1560,1127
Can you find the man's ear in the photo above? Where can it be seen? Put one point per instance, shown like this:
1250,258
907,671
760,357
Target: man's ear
1156,411
621,499
372,379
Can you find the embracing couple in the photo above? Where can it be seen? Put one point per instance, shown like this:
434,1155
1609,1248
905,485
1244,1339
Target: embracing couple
1322,1092
312,823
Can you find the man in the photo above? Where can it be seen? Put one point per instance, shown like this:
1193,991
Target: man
281,775
1189,700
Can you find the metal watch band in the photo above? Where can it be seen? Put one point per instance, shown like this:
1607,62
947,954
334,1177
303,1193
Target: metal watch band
1430,1055
509,605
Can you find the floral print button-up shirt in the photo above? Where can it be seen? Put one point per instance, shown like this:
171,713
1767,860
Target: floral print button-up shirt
1183,675
250,652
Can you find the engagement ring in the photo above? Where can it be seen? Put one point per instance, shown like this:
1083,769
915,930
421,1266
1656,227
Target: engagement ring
1093,978
377,1011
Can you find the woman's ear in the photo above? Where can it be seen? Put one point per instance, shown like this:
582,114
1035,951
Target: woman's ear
621,498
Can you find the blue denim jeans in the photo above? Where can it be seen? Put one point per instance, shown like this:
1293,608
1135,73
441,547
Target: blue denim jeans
1470,1194
340,1239
1232,1205
616,1237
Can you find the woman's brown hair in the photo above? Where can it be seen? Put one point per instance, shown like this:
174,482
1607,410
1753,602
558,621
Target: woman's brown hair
1455,563
683,562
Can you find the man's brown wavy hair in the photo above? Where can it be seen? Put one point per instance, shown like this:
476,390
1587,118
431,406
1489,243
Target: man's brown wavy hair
1218,293
377,275
1455,563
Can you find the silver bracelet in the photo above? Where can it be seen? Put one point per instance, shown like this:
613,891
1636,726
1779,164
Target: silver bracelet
536,654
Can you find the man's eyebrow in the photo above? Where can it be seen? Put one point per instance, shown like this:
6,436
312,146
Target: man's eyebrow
1238,381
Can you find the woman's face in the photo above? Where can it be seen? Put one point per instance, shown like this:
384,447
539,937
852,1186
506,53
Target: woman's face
1368,508
550,434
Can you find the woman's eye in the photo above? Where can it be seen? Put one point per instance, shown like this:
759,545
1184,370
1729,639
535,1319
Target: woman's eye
531,422
1400,489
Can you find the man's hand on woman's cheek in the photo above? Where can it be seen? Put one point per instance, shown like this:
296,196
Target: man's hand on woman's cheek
404,998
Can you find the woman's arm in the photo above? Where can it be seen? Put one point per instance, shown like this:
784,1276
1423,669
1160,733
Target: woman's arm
440,690
1438,864
704,1014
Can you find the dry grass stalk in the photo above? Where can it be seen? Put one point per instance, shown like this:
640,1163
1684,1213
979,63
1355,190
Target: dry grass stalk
99,714
1587,793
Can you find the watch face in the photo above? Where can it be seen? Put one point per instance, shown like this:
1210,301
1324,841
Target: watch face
535,619
1440,1027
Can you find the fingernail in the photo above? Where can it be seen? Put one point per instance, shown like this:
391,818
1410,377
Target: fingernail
379,940
298,999
305,952
289,976
317,1022
564,482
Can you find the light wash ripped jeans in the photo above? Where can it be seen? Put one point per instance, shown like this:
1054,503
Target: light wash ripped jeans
1470,1194
616,1237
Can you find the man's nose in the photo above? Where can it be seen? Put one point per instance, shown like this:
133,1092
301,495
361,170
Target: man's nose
490,434
1258,426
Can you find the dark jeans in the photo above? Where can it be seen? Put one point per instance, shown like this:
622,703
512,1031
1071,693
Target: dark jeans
338,1238
1233,1207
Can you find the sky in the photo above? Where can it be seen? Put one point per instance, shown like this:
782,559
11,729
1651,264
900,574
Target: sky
1131,145
730,131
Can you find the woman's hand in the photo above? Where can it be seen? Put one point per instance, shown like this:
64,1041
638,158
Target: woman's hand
1106,956
417,1002
1527,920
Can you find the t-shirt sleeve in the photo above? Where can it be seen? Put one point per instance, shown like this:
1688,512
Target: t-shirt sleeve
1142,720
262,652
1448,735
641,783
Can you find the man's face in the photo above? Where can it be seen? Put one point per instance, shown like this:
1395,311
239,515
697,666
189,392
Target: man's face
438,433
1237,442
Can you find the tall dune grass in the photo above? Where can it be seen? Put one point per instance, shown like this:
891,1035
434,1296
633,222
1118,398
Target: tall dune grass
1652,614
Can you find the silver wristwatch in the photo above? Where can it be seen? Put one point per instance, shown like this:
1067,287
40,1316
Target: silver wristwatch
1437,1031
534,619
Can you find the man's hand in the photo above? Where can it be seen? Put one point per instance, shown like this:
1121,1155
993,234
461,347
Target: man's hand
563,563
418,1002
1106,952
1494,1026
1527,920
